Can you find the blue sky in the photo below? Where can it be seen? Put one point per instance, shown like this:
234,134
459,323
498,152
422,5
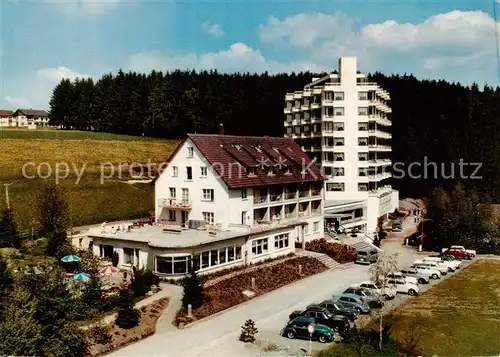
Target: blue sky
45,40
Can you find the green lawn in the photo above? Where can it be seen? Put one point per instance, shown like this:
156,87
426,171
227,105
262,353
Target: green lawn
458,317
90,200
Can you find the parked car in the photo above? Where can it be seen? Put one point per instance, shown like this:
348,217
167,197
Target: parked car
442,269
421,275
458,253
404,287
324,317
451,264
451,258
450,267
367,296
354,301
299,328
367,256
397,226
337,309
434,273
401,276
456,248
385,292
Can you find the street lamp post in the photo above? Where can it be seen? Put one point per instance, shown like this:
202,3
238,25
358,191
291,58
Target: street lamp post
7,201
310,329
422,232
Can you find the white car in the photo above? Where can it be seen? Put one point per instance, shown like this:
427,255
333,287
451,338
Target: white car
452,264
400,276
448,265
386,292
442,269
460,247
404,287
433,273
422,276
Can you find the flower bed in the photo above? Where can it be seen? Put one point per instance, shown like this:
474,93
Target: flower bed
340,252
121,337
229,292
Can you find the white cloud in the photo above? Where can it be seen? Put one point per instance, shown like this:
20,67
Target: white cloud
55,75
17,102
76,8
212,29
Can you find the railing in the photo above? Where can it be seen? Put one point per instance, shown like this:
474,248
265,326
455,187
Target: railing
290,215
174,203
303,194
275,198
303,214
290,195
316,211
259,199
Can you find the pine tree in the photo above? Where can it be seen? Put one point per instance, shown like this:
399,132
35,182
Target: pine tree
128,317
248,331
5,284
9,237
53,221
193,291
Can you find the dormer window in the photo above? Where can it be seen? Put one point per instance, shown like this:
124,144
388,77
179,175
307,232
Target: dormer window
287,171
270,171
258,149
237,146
251,171
190,151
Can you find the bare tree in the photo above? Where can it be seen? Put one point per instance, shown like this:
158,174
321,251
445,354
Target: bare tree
386,264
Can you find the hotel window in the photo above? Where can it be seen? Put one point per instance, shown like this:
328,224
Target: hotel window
289,117
289,105
208,217
297,130
172,192
189,173
205,262
289,130
251,171
190,151
328,127
328,112
362,141
362,187
363,171
362,126
306,128
208,194
128,255
338,156
363,156
338,95
316,227
338,141
270,172
260,246
362,95
363,111
297,116
243,193
338,111
328,142
203,171
185,195
281,241
338,171
328,96
214,257
222,255
175,170
306,229
335,186
297,104
171,216
338,126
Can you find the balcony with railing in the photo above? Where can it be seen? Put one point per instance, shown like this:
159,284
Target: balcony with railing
316,192
290,195
172,203
304,194
259,200
276,198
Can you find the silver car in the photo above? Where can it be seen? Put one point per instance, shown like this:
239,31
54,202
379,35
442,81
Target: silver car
353,301
421,275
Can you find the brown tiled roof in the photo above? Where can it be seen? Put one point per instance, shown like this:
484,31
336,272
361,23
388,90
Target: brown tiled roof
33,112
6,113
232,156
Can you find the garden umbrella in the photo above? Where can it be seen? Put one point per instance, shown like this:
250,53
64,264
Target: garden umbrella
108,270
70,259
81,277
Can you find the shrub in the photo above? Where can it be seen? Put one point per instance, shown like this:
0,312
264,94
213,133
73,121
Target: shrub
128,317
339,252
193,291
100,334
248,331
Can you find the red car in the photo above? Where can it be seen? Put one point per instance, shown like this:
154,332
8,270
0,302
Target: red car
458,253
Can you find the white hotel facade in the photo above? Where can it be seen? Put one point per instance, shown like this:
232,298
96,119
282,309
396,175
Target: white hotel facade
223,201
344,122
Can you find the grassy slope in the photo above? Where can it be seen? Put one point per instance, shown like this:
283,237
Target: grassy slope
90,201
458,317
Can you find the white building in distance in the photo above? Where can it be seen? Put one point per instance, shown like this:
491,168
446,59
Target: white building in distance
223,201
344,122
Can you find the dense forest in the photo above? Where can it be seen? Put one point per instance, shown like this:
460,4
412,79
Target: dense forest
433,121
